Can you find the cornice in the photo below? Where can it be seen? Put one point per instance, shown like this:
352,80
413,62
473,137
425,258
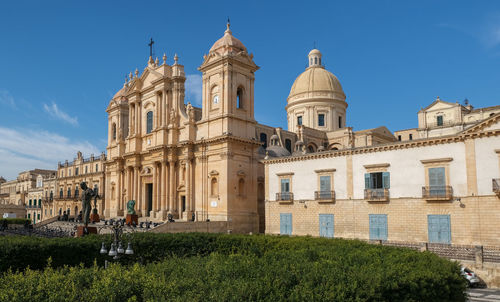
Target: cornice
385,147
436,160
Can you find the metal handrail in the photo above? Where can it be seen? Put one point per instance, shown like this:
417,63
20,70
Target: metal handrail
437,192
284,196
380,194
324,195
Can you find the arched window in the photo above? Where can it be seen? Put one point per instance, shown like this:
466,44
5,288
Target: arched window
61,193
214,187
69,192
39,202
315,60
288,145
149,121
311,149
263,139
77,193
239,98
241,187
113,130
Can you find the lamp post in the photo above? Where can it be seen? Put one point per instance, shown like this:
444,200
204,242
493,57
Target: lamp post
116,248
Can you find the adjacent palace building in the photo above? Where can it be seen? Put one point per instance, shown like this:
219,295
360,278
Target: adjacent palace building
438,182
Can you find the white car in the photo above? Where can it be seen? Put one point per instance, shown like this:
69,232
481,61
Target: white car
470,276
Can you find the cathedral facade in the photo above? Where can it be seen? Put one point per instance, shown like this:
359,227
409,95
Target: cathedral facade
192,163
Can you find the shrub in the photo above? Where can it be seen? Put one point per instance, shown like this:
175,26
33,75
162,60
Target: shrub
199,267
14,221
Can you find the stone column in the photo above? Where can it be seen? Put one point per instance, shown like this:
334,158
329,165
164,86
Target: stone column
172,204
188,188
163,184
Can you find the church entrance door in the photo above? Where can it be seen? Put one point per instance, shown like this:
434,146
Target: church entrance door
149,198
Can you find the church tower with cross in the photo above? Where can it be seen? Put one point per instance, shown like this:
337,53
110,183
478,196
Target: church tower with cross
181,161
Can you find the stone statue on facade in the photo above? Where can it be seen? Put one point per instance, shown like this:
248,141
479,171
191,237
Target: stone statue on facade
190,112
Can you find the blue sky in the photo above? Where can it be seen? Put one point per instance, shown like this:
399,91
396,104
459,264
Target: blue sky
62,61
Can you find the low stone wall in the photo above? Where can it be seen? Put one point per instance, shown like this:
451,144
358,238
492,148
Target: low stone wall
190,227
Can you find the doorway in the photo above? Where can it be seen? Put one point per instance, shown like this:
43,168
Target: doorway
149,198
183,203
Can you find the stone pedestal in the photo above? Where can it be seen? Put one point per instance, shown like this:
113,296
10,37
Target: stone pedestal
80,230
94,218
132,218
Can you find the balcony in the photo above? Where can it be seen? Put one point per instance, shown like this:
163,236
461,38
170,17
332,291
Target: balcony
377,194
324,196
495,187
284,197
437,192
443,124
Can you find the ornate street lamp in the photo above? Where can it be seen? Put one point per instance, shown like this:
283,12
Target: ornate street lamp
116,248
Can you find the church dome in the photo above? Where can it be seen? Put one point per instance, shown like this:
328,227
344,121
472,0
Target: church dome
227,43
316,81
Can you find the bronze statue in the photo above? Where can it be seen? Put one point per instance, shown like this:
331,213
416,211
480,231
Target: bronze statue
87,195
130,207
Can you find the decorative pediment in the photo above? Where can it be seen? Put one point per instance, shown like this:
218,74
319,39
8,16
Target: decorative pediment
439,104
241,173
490,124
213,173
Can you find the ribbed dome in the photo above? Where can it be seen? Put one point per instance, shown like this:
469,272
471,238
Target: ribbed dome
316,79
228,42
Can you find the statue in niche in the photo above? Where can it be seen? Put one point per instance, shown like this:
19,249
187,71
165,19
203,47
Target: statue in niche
173,117
190,111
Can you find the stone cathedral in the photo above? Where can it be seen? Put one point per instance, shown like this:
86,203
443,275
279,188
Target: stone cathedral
173,158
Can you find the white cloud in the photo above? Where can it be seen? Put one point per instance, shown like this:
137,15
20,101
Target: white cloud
194,88
29,149
7,99
54,111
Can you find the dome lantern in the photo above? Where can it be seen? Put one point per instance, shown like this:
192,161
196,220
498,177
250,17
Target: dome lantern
314,58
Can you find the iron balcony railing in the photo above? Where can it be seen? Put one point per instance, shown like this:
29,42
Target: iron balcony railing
377,194
496,185
437,192
443,124
284,196
324,195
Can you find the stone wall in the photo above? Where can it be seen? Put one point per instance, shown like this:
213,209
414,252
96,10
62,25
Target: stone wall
474,220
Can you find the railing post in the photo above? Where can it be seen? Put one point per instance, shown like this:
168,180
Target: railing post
478,253
424,247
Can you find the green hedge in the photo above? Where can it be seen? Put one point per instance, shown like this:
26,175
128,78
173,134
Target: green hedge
196,267
14,220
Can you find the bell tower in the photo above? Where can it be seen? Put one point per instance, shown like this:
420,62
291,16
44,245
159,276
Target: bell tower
228,87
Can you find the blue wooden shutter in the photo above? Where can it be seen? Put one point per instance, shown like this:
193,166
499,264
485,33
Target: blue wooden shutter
324,183
326,225
285,185
368,184
386,180
439,228
378,226
286,224
437,177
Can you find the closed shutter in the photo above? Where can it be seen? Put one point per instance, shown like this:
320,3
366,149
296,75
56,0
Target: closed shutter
326,226
324,183
286,224
439,228
378,226
437,181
